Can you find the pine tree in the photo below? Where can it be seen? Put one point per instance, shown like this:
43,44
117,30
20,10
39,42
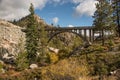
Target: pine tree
32,36
103,17
116,7
42,43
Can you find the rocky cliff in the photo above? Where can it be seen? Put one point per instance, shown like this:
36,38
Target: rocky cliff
11,40
23,22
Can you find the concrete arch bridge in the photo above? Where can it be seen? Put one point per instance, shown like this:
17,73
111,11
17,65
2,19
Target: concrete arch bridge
86,33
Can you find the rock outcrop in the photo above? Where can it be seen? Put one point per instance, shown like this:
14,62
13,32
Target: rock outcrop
12,39
53,50
25,20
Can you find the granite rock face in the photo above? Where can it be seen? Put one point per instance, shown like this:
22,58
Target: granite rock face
12,40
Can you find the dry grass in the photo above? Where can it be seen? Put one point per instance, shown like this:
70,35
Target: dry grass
65,69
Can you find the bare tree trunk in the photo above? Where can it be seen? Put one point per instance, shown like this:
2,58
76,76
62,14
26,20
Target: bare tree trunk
118,18
103,41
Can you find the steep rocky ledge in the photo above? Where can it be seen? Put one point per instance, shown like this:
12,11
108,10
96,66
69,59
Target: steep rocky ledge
23,22
11,40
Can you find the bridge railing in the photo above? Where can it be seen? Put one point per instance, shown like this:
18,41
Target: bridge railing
68,28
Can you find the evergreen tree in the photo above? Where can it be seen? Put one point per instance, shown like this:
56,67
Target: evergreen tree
42,43
116,7
103,17
32,36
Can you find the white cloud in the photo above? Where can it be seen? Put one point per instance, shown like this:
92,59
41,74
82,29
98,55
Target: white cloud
77,1
70,26
55,20
56,0
15,9
85,7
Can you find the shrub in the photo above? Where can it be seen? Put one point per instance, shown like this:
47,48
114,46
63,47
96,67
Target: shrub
63,53
94,48
103,63
119,47
21,61
111,43
53,58
34,74
1,67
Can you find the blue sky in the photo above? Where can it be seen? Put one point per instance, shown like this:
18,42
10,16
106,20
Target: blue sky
65,14
59,12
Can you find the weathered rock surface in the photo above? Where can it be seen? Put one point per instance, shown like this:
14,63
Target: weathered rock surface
12,40
53,50
25,20
33,66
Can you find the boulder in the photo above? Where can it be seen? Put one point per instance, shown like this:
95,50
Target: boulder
33,66
53,50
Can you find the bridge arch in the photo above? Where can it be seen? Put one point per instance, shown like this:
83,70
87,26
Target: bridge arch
53,34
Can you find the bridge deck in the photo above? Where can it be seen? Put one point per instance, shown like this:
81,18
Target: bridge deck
69,28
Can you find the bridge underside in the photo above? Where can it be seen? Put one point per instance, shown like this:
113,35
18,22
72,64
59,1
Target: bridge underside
86,33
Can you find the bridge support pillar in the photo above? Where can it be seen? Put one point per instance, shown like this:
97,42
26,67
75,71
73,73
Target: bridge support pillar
85,34
90,35
93,35
80,32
